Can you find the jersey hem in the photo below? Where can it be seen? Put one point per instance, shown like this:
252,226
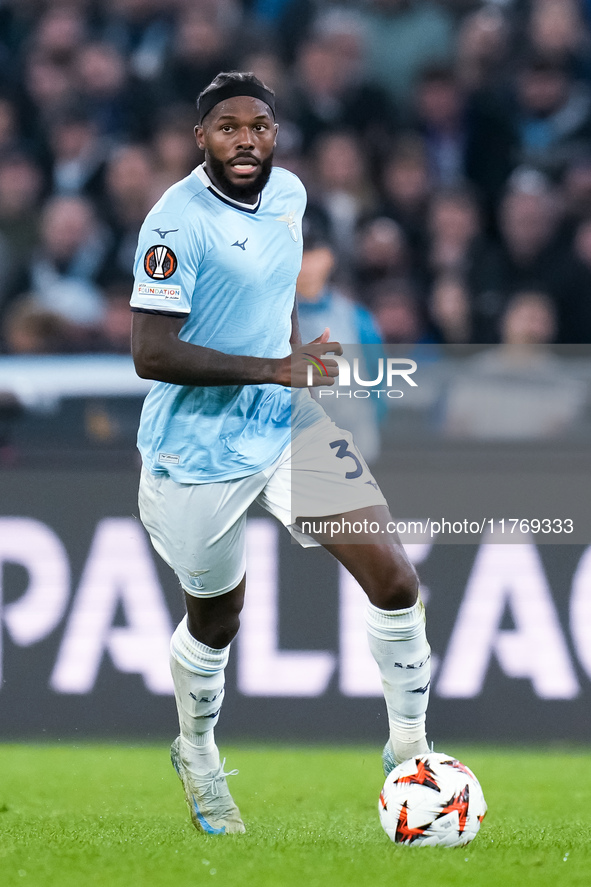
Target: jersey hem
208,477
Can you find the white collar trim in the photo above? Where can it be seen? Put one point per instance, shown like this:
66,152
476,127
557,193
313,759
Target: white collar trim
202,175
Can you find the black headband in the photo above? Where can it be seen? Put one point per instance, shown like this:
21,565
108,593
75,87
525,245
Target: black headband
229,91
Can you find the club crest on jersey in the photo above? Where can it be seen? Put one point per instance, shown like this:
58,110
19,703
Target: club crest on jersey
160,262
289,219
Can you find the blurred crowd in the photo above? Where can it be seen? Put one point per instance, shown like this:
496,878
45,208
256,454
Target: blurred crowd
445,146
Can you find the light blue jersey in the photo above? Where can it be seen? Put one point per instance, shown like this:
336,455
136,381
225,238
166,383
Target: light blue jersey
230,269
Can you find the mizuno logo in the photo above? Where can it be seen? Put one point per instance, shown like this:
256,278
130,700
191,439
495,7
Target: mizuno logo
164,233
241,245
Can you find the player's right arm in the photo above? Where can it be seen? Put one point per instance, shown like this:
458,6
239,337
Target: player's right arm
170,251
159,354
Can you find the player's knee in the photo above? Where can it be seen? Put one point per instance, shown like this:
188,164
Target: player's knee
215,621
220,635
215,632
396,587
228,627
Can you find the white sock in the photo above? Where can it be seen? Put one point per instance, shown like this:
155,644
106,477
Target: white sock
398,643
198,677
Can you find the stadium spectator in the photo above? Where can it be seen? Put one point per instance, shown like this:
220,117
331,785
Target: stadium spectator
556,29
454,232
142,31
441,118
449,309
460,133
323,304
11,137
529,318
576,189
65,269
285,23
403,37
30,328
204,44
529,216
342,186
130,191
60,32
380,251
405,187
174,149
551,117
530,255
575,314
78,154
21,184
113,331
118,104
49,87
331,91
482,49
266,64
397,307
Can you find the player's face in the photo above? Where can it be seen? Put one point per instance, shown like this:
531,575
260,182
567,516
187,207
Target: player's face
238,137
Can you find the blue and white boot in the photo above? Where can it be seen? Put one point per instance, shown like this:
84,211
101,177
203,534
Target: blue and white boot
212,807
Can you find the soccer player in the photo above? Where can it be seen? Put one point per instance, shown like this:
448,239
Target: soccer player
230,421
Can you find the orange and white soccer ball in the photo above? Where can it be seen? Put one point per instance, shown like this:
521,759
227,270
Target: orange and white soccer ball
432,800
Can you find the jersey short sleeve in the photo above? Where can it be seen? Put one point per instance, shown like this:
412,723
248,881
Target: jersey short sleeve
166,264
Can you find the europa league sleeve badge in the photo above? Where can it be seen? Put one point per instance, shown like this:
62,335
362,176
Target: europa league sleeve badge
160,262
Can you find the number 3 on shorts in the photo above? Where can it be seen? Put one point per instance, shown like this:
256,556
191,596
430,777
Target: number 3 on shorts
342,451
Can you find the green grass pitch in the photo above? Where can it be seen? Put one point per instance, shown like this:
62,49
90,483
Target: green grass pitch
115,815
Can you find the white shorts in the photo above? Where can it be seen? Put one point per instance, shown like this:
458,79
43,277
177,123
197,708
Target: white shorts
199,529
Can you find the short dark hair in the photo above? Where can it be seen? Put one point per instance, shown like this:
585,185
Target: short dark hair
227,77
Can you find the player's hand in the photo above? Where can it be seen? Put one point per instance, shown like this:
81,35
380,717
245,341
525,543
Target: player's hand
310,365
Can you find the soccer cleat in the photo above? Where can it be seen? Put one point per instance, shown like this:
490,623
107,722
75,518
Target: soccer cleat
388,760
212,807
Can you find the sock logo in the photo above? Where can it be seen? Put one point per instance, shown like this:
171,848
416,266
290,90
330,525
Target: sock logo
205,698
421,690
413,665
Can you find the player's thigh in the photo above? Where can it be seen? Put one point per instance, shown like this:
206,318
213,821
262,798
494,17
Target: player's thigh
199,529
374,556
324,492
